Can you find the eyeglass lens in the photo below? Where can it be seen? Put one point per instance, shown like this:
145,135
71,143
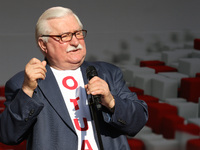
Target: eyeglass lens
68,36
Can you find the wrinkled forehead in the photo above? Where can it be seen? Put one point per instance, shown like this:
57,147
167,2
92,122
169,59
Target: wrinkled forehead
64,24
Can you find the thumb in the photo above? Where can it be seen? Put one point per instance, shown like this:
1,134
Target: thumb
86,86
44,63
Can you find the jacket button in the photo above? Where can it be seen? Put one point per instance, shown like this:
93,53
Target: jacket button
121,121
31,112
26,119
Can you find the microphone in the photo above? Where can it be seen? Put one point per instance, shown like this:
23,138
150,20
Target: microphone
91,72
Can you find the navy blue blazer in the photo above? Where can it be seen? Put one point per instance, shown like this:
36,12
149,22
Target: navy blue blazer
45,122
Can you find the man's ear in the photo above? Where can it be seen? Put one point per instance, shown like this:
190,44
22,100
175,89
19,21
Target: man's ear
42,45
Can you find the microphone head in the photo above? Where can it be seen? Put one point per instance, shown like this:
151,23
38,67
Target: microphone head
91,72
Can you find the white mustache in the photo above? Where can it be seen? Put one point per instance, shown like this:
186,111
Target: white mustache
72,48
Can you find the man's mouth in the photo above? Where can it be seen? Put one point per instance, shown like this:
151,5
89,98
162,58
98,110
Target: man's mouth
73,50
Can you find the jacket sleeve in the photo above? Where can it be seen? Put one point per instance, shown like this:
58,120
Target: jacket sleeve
130,114
19,115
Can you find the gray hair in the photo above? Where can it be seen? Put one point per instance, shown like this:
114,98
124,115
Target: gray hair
42,26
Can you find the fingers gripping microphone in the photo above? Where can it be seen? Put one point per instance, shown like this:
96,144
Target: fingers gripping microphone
91,72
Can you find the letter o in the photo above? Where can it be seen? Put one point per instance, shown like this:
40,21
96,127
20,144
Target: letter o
64,82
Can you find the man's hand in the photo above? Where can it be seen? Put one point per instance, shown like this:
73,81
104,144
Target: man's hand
34,70
98,86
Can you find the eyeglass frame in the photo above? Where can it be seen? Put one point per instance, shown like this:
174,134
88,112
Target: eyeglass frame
72,34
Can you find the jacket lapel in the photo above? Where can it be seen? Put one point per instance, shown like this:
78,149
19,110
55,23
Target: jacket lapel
83,70
51,90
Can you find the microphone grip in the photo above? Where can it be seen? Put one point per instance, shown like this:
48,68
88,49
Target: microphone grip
91,72
97,101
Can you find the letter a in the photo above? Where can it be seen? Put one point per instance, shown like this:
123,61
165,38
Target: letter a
84,143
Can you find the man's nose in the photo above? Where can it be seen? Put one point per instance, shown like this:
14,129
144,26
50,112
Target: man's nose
74,41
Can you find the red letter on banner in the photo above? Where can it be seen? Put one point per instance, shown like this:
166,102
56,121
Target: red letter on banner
78,126
84,143
64,82
75,103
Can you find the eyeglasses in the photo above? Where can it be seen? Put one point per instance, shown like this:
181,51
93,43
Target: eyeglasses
66,37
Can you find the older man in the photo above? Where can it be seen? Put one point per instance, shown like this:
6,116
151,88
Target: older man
48,102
